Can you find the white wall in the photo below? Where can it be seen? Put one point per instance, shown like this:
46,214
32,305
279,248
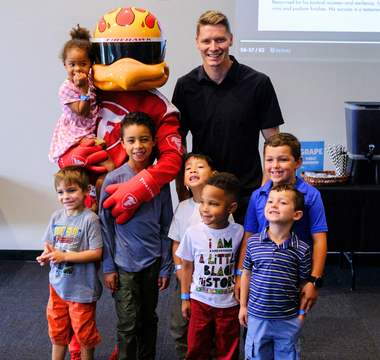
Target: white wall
311,95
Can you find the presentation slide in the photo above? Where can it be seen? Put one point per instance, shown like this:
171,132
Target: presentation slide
308,30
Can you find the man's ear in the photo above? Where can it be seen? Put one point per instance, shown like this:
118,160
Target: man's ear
233,207
196,39
297,215
214,172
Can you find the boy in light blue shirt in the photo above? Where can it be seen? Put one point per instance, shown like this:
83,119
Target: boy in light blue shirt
277,265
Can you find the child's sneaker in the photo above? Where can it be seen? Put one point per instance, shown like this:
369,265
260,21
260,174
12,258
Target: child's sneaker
75,355
114,355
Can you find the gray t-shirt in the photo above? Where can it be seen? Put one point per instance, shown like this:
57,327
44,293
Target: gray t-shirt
77,282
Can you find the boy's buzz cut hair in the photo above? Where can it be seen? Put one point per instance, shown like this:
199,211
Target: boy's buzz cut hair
72,174
285,139
213,17
138,118
298,198
227,182
204,157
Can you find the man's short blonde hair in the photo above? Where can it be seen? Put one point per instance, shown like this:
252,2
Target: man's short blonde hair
212,17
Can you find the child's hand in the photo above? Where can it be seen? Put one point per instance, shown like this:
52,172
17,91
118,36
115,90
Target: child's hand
186,309
302,318
41,259
163,283
111,281
243,316
308,296
54,255
80,79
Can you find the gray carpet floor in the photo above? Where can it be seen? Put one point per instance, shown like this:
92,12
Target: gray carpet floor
344,324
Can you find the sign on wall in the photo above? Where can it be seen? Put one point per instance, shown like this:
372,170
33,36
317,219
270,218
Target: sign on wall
312,153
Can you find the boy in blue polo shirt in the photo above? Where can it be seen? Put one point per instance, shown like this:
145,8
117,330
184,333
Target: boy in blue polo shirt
276,266
282,157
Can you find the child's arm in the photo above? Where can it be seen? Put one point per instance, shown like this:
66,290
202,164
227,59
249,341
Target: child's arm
302,284
81,107
110,274
244,294
56,256
240,261
187,273
166,243
309,293
177,260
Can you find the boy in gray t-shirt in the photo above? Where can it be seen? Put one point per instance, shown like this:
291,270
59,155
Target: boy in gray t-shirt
73,245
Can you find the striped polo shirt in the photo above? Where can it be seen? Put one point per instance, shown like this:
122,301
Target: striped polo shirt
276,271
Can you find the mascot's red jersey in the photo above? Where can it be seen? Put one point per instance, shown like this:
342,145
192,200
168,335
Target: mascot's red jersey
115,105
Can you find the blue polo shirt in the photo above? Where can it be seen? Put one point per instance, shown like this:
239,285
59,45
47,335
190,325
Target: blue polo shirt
276,271
313,219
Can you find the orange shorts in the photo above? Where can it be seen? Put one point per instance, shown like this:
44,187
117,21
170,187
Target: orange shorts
66,318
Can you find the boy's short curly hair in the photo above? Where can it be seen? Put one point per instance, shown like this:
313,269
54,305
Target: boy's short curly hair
72,174
227,182
213,17
285,139
138,118
204,157
299,199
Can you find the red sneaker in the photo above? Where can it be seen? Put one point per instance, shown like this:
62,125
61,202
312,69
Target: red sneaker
75,355
114,355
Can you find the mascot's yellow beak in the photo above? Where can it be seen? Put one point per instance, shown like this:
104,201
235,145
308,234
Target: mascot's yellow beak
129,75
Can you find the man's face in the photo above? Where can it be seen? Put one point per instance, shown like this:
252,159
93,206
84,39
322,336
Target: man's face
214,42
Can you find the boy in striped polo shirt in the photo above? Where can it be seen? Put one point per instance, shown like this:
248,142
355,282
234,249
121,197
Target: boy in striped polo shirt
276,267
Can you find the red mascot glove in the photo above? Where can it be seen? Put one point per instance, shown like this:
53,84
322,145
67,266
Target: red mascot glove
86,154
127,197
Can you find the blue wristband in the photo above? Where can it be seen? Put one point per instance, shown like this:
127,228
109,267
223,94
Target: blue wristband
178,267
239,272
301,312
84,97
185,296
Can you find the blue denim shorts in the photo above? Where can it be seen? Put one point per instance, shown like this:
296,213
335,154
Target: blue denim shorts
268,339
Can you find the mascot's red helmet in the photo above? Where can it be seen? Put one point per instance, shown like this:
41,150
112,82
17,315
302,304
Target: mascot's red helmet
130,47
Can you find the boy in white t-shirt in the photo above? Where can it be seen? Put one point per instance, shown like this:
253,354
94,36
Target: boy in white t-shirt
197,169
208,252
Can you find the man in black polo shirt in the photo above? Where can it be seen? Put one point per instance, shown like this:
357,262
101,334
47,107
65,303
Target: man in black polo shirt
225,105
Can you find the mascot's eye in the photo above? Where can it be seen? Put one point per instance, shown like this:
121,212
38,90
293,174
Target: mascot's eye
149,53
